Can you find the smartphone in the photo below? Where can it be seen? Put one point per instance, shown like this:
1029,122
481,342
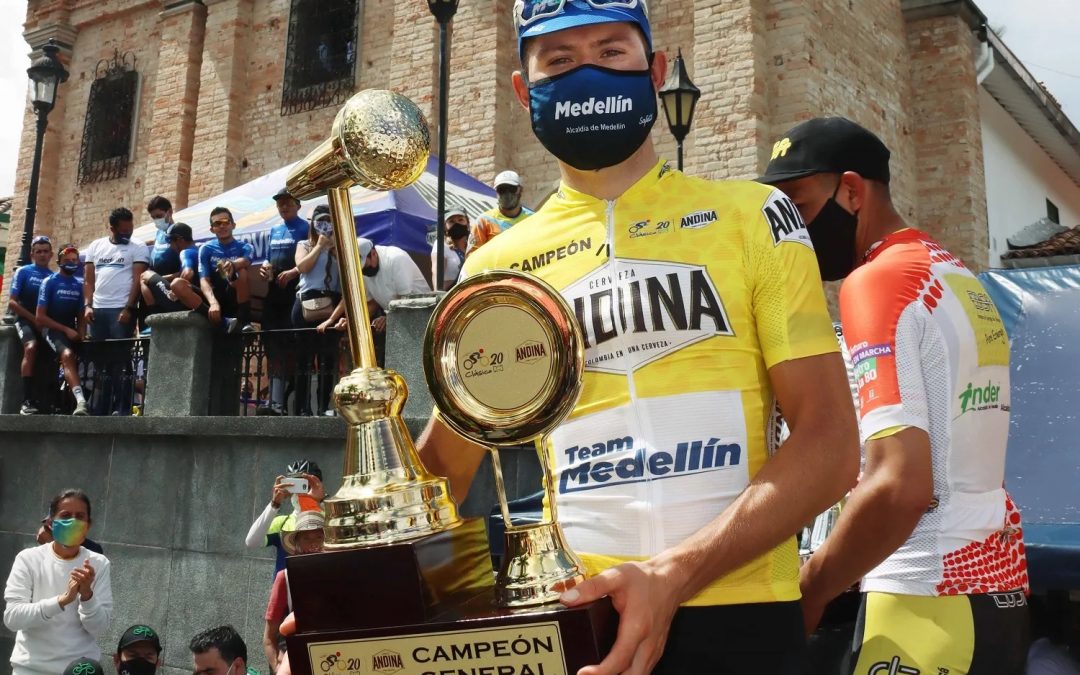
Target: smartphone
296,485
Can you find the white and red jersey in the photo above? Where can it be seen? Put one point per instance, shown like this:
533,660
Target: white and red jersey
929,350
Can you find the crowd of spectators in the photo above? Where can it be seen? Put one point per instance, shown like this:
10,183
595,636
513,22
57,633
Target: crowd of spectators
84,318
59,597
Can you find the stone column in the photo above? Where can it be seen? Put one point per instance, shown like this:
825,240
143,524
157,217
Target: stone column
219,130
731,127
178,367
10,373
951,183
176,99
406,322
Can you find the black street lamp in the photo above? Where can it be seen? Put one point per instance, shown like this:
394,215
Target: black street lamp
679,96
443,11
46,74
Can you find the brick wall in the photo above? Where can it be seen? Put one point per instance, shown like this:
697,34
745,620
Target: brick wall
952,186
211,79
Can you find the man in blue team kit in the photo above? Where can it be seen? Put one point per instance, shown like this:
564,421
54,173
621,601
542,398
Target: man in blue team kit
23,304
163,258
280,271
179,291
60,315
223,273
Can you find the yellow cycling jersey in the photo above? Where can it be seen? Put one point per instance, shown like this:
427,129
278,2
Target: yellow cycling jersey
687,292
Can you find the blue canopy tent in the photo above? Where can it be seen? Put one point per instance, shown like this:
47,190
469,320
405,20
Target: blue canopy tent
404,218
1041,311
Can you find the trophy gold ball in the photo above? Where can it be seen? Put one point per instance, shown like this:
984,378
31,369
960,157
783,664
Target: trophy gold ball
380,140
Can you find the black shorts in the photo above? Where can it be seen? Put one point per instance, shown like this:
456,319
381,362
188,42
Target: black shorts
27,332
163,303
764,639
57,341
225,294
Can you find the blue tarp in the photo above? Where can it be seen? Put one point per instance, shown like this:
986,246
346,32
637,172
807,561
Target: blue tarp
1041,311
404,218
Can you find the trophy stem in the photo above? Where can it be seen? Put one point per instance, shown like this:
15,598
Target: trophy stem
352,278
500,488
549,480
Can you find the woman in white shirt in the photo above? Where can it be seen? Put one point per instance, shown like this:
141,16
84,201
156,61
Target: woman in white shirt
58,595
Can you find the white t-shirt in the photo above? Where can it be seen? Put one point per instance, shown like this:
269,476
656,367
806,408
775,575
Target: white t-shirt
398,275
48,637
451,264
113,267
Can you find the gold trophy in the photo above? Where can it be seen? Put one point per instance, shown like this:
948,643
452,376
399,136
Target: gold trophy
380,141
503,357
406,586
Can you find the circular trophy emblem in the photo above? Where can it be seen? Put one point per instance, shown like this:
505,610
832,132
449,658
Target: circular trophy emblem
503,358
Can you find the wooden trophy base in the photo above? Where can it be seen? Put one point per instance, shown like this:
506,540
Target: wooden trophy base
426,607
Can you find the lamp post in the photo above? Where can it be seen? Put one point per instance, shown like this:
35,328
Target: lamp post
679,96
46,73
443,11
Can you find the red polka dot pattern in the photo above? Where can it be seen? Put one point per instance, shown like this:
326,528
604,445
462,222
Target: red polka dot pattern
995,565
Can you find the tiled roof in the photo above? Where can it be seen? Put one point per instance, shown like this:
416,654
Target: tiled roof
1062,243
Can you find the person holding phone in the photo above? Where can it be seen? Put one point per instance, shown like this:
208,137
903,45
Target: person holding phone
318,293
268,526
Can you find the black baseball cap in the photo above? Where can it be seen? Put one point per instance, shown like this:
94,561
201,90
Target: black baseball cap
84,666
827,145
182,230
320,210
305,466
283,193
139,633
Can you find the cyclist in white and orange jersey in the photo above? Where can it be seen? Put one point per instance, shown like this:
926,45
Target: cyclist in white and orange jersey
699,313
930,529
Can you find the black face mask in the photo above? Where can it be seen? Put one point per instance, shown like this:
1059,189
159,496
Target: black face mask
371,271
136,667
458,231
832,232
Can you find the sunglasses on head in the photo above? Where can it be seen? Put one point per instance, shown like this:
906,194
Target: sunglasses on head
527,12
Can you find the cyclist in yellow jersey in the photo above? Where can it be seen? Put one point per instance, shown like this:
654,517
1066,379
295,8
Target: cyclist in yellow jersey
701,307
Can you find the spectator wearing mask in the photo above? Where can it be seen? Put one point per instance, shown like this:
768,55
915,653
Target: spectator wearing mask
114,267
59,311
506,214
163,257
316,296
457,240
178,291
138,652
268,526
389,274
58,595
23,304
281,272
223,274
44,536
220,651
304,536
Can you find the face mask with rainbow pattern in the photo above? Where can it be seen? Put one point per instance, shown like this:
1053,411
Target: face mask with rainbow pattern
69,531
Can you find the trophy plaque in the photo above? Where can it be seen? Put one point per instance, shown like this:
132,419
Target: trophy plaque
404,585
